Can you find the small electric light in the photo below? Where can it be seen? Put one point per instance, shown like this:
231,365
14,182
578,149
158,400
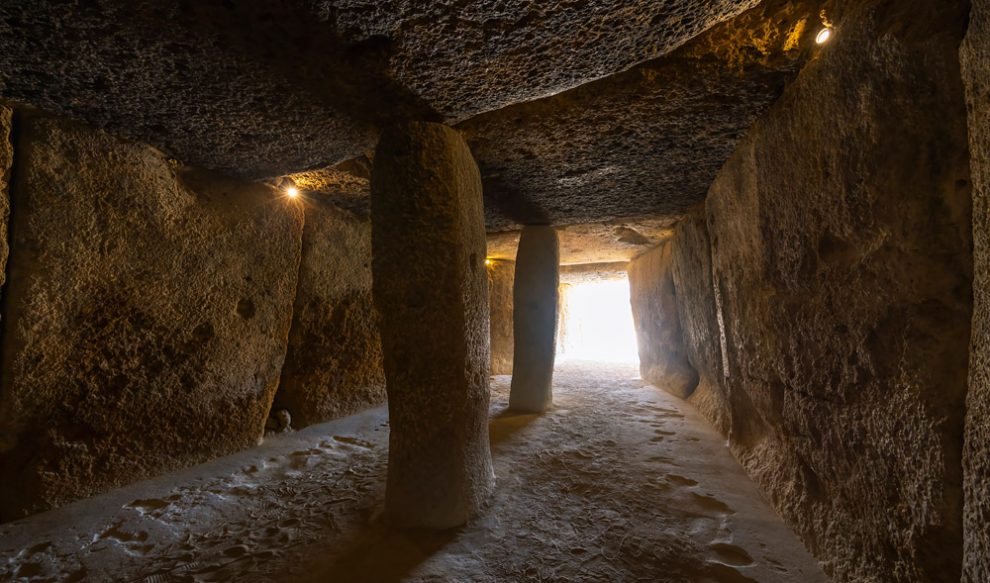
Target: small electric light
488,262
823,35
292,192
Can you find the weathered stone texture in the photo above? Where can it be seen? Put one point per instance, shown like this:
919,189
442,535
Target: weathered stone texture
467,57
840,246
646,141
535,294
663,360
501,275
976,456
333,366
145,325
256,88
697,313
6,163
431,287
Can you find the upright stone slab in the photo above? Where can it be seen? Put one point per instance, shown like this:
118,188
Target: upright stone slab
535,319
333,365
144,325
975,55
500,278
431,289
663,360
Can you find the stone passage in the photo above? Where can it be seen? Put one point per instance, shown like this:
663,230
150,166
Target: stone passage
534,319
431,288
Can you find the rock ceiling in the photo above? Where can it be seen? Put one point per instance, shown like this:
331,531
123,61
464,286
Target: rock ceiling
578,111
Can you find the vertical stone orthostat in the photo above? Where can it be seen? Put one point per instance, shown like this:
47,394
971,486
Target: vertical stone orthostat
431,289
535,298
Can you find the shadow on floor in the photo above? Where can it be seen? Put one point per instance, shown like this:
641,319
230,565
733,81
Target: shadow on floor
382,555
507,423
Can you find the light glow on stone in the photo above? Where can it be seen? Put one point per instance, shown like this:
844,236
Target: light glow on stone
292,192
823,35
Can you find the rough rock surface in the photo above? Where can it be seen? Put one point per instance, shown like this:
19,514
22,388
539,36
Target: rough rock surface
6,163
976,455
501,275
249,88
840,244
593,272
535,297
333,366
255,88
145,326
468,57
644,142
663,360
431,287
698,313
600,242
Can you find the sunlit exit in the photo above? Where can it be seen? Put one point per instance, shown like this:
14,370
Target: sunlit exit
597,323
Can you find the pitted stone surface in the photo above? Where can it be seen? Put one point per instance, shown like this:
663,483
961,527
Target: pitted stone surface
468,57
644,142
145,327
976,455
840,236
258,89
6,163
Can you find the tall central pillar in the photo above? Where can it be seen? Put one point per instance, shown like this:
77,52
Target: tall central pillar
534,319
431,289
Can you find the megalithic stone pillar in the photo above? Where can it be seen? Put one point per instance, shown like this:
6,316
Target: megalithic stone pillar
535,319
431,289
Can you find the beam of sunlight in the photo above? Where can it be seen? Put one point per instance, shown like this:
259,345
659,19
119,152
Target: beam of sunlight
597,323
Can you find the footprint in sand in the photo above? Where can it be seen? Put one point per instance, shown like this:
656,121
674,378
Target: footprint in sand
354,441
720,573
133,542
681,480
731,555
712,504
152,507
661,434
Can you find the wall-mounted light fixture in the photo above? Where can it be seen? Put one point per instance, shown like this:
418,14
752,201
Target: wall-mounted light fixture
488,262
292,192
826,31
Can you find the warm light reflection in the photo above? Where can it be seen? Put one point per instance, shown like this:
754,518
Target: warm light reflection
823,35
598,324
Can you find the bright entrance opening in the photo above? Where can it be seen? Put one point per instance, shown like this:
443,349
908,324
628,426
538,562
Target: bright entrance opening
596,322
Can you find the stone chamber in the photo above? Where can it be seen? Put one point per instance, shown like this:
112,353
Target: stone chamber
286,290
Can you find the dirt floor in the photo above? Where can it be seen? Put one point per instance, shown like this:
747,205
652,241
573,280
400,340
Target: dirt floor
618,482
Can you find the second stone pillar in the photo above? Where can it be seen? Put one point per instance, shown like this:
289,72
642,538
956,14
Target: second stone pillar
535,319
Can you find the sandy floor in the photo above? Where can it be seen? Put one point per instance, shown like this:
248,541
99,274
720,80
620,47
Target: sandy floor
619,482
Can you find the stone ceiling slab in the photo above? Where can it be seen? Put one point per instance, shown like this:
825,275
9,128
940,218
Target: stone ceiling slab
644,142
465,57
256,89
